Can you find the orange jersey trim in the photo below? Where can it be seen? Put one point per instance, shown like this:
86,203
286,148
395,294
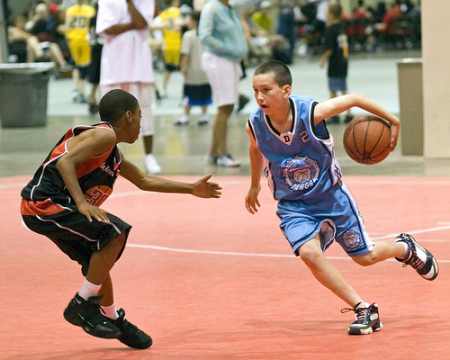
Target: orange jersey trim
46,207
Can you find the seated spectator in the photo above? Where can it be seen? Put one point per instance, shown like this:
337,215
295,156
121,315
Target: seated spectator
23,46
41,26
262,17
262,45
58,34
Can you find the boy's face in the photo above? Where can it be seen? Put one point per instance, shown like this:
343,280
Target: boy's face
268,94
134,124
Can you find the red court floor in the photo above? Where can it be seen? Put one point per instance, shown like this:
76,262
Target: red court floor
207,280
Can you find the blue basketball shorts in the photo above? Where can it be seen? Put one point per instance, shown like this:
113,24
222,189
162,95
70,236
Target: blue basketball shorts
334,215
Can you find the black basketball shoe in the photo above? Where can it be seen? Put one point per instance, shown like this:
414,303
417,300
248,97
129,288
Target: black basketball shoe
419,258
130,335
86,314
367,319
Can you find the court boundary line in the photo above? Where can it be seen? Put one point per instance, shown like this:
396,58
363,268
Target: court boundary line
233,253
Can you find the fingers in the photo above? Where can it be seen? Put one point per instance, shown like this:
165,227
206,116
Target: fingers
98,214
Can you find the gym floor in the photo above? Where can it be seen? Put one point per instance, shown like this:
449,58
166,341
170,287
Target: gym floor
206,279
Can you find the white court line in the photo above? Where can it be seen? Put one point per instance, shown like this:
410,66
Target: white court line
231,253
389,236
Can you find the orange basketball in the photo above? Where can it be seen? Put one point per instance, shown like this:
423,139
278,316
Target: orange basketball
367,139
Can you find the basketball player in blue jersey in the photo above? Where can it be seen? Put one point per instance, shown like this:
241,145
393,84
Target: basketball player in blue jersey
290,142
63,201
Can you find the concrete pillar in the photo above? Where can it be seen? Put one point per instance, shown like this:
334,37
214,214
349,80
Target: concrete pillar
436,78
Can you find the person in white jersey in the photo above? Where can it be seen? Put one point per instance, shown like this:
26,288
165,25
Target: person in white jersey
127,60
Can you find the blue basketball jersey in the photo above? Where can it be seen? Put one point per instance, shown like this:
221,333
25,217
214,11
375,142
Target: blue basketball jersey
299,164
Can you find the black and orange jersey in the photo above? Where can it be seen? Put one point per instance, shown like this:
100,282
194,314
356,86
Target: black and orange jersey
96,178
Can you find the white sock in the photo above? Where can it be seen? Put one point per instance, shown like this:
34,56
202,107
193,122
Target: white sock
407,251
110,311
88,289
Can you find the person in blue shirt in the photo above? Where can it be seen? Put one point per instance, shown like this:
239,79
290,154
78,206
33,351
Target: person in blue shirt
289,140
221,33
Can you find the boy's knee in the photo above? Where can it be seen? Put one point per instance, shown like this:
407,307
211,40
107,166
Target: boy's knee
365,260
311,256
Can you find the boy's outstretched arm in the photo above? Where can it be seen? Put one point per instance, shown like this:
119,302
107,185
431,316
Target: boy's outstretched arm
201,188
256,162
339,104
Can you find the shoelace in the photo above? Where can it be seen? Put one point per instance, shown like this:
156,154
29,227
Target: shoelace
415,262
360,312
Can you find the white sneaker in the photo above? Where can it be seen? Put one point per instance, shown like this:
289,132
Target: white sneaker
203,120
151,165
228,161
183,120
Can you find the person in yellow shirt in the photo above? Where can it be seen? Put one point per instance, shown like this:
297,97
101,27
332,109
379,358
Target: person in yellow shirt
170,22
78,18
262,17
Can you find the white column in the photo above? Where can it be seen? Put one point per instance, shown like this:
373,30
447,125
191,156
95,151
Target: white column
436,78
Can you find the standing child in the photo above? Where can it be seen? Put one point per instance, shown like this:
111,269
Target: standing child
63,201
289,139
96,41
197,91
78,18
169,20
336,53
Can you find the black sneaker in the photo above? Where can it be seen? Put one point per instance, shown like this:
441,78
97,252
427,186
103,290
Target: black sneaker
130,334
419,258
86,314
367,319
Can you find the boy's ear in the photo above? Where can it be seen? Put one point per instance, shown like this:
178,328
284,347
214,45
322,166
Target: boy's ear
287,90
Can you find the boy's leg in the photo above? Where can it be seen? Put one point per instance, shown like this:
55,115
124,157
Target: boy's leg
86,312
219,131
313,256
367,317
406,250
381,251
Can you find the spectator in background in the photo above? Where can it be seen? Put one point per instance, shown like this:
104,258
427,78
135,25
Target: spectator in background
23,46
169,21
41,26
196,91
336,53
286,23
127,60
221,33
262,18
59,32
78,18
96,42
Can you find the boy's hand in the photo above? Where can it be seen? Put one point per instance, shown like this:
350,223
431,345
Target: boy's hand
205,189
251,200
92,211
394,136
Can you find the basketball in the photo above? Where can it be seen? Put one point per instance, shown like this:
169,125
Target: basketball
367,139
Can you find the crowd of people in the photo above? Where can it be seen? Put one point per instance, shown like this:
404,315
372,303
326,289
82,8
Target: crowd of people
187,36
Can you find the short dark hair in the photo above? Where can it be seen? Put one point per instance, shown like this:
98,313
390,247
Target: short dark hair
335,10
195,15
115,103
282,74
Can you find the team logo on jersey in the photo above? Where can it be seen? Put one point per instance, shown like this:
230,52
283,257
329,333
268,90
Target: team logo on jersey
351,239
96,195
301,173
